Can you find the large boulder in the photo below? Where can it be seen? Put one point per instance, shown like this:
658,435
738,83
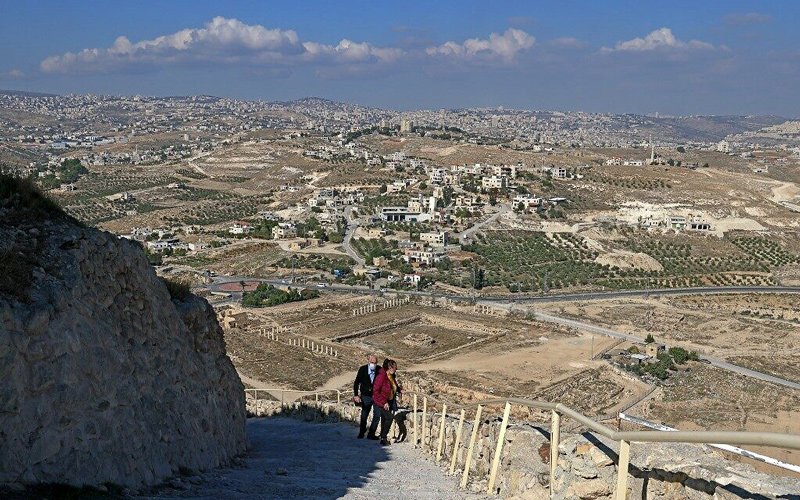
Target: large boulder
106,378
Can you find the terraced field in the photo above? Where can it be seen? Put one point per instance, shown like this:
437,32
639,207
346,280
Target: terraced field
527,261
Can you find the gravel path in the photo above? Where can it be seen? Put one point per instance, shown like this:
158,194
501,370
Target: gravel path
289,458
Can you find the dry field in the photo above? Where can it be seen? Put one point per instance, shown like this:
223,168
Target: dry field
453,353
707,398
460,356
756,330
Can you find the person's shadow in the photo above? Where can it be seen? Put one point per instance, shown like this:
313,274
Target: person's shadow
288,457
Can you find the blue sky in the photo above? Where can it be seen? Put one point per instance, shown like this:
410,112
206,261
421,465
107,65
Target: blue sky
676,57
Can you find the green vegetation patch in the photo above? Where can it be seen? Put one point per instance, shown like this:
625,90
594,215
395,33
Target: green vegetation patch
532,260
266,295
192,174
372,248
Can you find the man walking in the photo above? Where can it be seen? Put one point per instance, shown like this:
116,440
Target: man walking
362,395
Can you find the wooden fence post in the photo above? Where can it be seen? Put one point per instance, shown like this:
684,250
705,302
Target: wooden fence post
555,435
424,418
472,439
622,470
498,450
457,443
415,421
440,444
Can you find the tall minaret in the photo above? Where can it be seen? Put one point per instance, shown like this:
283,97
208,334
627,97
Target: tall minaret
652,151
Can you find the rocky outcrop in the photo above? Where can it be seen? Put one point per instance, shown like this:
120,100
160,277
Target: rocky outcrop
105,378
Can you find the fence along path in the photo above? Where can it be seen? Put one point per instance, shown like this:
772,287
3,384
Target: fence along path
290,458
421,428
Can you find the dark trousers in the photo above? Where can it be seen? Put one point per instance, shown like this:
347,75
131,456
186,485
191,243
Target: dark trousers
366,408
386,421
402,432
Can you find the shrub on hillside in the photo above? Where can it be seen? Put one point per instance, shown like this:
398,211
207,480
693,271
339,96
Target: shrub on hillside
21,201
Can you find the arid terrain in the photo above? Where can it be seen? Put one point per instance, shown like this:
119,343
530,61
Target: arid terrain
397,237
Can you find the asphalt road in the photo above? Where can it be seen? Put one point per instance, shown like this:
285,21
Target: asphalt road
719,363
531,299
467,233
613,294
352,225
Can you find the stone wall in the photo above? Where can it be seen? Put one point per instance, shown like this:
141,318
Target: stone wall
105,378
586,463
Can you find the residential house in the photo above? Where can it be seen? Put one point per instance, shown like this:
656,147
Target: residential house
494,182
240,228
527,201
284,230
676,222
434,237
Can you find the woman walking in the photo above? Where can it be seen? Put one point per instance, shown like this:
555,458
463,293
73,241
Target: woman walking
383,397
398,415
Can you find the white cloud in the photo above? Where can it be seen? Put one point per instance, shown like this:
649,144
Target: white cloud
14,74
660,39
348,51
504,46
221,40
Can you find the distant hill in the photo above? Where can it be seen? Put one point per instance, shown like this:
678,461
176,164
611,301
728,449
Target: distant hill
712,128
614,127
26,93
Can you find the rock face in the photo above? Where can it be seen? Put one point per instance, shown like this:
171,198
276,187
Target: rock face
104,377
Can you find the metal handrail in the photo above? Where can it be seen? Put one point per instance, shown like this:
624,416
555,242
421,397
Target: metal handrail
625,438
772,439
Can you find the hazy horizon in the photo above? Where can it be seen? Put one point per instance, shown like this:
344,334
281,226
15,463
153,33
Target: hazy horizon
681,59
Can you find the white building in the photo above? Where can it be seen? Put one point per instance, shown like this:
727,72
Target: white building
284,230
509,171
422,256
396,156
240,228
494,182
403,214
676,221
438,175
527,201
434,237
